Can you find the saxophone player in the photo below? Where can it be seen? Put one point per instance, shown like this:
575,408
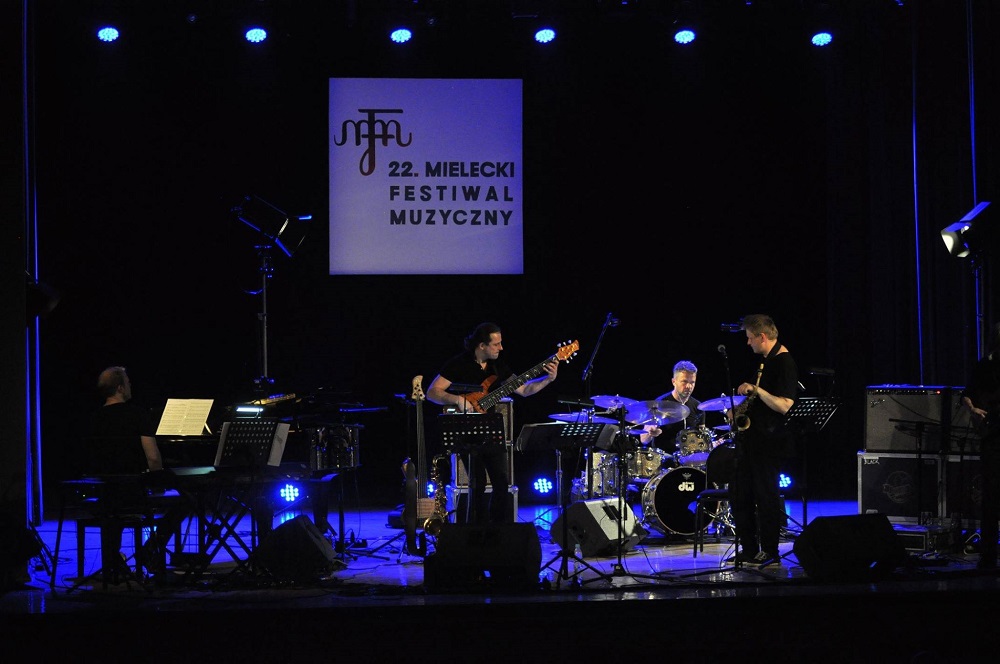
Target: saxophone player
755,497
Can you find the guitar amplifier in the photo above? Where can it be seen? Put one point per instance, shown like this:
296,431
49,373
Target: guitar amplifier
460,475
898,418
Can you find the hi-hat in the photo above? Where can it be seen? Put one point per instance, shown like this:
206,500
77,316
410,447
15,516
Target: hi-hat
720,403
657,412
608,402
579,417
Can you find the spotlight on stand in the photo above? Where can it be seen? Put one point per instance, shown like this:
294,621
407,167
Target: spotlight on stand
967,236
285,231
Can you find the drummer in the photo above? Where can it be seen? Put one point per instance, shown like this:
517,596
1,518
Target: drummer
683,380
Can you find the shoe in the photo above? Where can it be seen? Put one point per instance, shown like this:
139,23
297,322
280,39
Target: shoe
763,558
742,556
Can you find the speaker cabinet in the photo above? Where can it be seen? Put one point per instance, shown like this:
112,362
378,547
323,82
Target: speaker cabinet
963,483
296,551
893,413
598,527
496,556
861,547
900,486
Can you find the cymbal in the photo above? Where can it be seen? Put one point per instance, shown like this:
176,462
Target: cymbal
579,417
608,402
720,403
722,427
657,412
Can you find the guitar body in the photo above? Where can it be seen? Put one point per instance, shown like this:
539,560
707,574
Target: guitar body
410,507
485,399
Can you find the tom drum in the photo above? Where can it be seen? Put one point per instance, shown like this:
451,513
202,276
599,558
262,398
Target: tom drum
668,500
694,446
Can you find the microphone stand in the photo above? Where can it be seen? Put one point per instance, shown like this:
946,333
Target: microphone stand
737,563
610,321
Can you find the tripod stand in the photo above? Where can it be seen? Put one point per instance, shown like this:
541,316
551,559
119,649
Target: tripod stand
561,436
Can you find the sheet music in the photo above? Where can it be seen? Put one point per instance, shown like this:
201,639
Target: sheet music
185,417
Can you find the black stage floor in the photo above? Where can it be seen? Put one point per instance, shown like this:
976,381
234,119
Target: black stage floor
651,598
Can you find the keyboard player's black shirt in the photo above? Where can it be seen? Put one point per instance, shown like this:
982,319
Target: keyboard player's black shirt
113,445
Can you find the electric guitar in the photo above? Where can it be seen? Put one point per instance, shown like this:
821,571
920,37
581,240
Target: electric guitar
485,400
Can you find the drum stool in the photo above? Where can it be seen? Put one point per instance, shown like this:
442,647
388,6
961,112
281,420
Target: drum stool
701,511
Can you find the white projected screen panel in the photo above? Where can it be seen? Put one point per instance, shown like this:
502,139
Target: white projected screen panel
425,176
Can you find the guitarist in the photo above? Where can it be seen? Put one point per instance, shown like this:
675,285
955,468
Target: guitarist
479,364
982,398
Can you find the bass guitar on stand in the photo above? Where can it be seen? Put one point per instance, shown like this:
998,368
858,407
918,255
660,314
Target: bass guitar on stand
416,509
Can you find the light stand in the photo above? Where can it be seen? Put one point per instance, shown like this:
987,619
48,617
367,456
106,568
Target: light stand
286,233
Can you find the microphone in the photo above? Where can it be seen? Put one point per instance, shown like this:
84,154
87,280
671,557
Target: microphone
732,327
722,349
611,322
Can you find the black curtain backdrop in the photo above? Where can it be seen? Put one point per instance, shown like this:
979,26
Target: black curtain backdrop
677,189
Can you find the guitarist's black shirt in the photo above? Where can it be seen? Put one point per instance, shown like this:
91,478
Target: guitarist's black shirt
465,370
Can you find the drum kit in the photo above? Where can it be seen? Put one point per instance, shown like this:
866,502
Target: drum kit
668,482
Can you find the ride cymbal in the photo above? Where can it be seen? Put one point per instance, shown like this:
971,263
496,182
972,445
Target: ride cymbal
720,403
580,417
659,413
609,402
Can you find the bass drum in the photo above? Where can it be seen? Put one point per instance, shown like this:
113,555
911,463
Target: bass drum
668,500
721,465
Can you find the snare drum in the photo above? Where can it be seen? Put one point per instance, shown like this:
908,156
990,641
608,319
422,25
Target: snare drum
645,462
694,446
669,500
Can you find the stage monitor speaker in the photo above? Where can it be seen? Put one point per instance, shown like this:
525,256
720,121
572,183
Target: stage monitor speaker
483,558
861,547
296,551
598,527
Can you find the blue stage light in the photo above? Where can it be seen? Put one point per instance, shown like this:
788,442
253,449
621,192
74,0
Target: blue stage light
685,36
256,35
821,39
543,485
401,35
289,493
545,35
784,481
108,34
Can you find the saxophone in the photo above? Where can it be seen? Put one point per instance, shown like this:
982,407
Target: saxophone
740,417
433,523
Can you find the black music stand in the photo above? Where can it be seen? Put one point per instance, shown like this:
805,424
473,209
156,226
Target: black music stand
809,415
465,433
559,436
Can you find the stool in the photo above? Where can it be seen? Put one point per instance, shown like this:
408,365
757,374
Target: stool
701,511
110,529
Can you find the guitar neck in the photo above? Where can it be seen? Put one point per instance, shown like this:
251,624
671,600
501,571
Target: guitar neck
509,386
421,454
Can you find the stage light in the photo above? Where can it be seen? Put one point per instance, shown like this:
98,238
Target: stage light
967,236
543,486
785,481
108,34
821,39
401,35
685,36
289,493
545,35
256,35
286,231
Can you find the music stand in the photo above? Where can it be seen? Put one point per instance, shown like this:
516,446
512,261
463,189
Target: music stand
809,415
559,436
466,433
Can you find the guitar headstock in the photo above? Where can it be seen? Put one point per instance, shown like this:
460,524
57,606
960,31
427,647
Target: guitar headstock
418,391
567,350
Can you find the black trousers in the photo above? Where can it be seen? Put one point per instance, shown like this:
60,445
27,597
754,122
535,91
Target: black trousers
754,495
485,508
